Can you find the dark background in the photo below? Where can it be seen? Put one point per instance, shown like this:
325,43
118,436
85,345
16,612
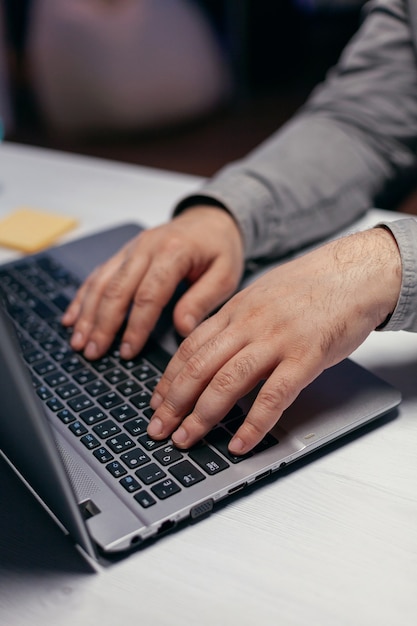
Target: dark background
278,51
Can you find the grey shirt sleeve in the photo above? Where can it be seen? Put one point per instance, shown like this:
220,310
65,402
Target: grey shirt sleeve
356,136
404,316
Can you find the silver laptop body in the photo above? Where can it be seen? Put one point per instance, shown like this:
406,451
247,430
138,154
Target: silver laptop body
110,505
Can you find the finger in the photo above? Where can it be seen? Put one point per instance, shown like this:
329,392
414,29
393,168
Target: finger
72,312
107,309
104,301
156,289
202,336
234,380
277,394
181,387
212,288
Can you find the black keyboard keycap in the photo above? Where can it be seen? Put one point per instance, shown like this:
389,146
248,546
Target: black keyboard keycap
103,455
109,400
66,416
90,441
141,400
136,426
120,443
96,388
165,489
207,459
123,413
78,429
116,469
186,473
130,484
135,458
144,499
106,429
150,473
92,415
80,403
168,455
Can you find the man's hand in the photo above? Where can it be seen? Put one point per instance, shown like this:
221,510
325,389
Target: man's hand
203,246
286,328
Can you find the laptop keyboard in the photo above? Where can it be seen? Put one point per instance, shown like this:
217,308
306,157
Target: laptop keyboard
105,403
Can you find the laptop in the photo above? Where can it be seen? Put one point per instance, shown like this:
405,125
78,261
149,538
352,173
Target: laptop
75,431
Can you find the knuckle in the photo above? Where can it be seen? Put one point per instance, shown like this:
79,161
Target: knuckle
230,378
253,429
187,349
194,367
271,399
114,290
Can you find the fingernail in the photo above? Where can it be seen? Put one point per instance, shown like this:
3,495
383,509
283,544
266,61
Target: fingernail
126,350
77,339
236,446
66,318
156,400
190,322
155,427
91,351
180,436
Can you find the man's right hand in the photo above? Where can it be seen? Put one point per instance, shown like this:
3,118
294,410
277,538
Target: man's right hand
203,246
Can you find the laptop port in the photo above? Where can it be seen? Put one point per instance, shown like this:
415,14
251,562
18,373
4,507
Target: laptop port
166,526
88,509
237,488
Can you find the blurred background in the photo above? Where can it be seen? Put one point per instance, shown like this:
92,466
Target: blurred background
185,85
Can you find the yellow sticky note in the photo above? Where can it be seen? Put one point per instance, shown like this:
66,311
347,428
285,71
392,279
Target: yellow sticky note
30,230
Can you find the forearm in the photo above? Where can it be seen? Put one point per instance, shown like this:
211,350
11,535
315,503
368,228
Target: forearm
352,140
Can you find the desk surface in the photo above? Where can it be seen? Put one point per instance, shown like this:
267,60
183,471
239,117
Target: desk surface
331,542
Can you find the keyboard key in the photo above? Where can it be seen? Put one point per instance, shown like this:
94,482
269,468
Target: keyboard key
144,372
102,454
33,356
116,469
96,388
78,429
135,458
168,455
43,392
92,415
56,378
80,403
90,441
68,390
151,444
54,404
120,443
115,376
103,364
70,365
165,489
136,426
144,499
66,416
44,367
207,459
186,473
130,484
150,473
219,438
141,400
84,376
128,388
106,429
123,413
109,400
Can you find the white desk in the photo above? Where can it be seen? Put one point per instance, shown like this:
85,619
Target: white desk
333,542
